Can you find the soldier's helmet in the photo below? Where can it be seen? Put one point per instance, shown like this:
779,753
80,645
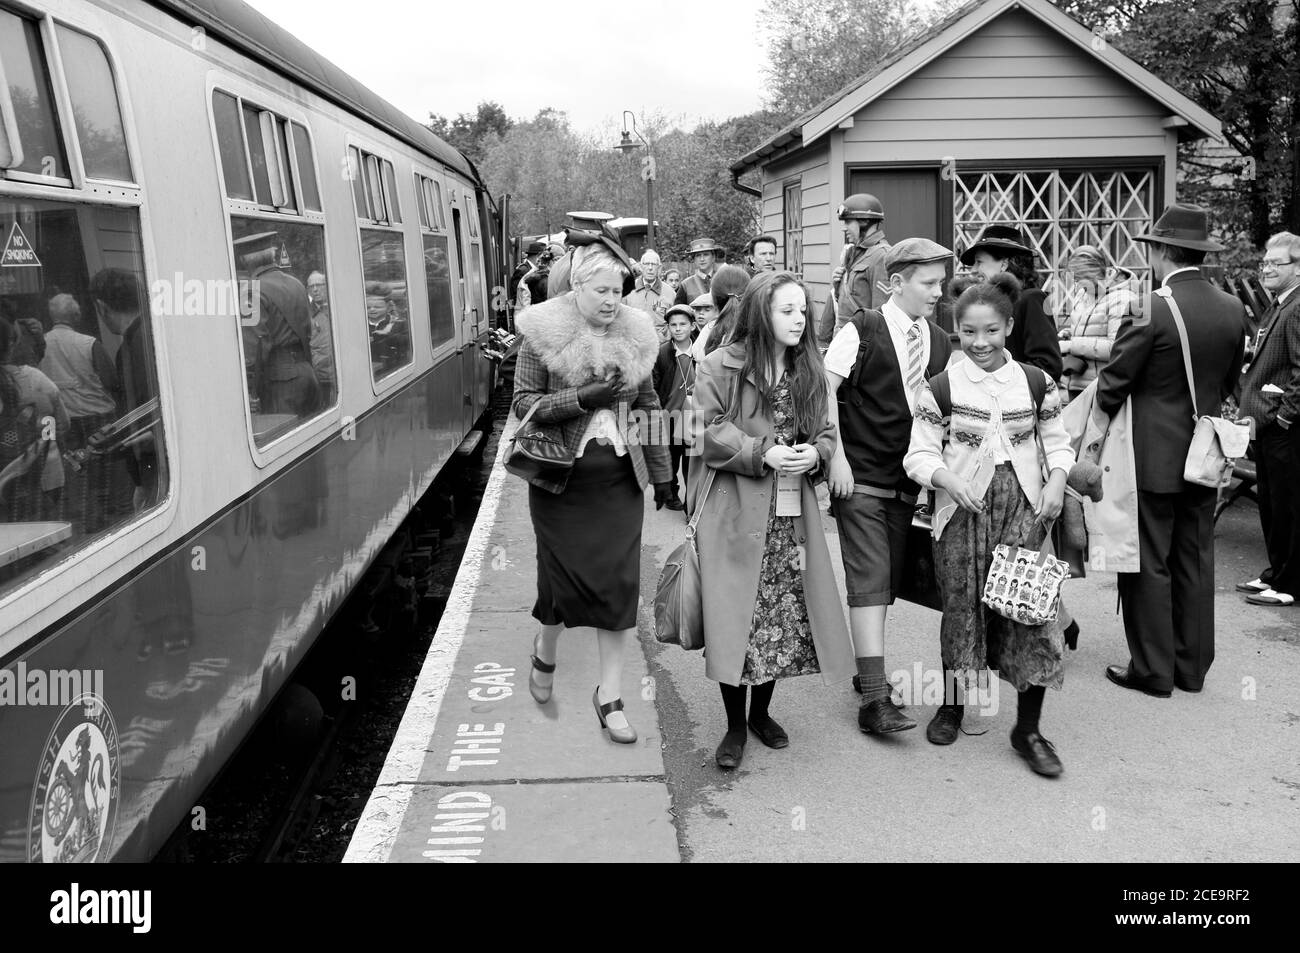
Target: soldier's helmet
862,206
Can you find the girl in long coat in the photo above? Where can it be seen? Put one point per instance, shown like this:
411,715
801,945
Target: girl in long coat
759,410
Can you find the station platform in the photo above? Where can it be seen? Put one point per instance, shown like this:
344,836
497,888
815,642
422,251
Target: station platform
479,772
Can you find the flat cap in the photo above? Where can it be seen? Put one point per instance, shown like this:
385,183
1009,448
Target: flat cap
914,251
703,301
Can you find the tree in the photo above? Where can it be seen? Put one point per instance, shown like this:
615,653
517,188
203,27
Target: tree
1234,58
467,132
817,47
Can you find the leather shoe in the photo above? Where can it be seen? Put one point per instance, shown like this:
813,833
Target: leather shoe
770,733
732,750
1186,687
1122,675
880,717
675,505
944,726
1038,751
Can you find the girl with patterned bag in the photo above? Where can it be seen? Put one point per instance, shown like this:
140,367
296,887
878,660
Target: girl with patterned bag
976,441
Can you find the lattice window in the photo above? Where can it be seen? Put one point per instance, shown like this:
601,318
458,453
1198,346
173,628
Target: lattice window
1060,209
792,214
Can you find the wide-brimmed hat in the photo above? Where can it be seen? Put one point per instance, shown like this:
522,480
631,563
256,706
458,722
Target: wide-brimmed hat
1000,240
703,245
1187,226
535,248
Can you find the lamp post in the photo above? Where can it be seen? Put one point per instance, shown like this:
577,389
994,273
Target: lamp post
647,172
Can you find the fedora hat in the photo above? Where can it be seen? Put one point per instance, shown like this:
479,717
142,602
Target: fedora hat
1000,240
704,244
1187,226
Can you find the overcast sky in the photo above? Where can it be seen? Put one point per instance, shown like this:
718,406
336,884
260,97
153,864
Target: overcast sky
589,58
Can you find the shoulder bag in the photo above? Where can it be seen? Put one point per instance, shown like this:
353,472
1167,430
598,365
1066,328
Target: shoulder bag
1216,441
679,599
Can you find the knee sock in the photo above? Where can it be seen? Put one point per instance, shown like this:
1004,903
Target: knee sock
1029,705
760,698
733,699
871,673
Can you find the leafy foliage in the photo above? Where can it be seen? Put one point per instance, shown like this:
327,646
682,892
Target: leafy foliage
1236,59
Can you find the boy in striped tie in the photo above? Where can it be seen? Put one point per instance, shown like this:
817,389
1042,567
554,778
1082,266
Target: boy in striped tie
875,365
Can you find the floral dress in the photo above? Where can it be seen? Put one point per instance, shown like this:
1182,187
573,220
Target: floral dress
780,636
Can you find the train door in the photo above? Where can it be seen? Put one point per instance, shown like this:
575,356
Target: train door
469,354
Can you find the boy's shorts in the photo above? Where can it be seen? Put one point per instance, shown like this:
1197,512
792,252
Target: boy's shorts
873,542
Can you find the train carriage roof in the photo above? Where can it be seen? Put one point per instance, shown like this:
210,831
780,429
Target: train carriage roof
254,35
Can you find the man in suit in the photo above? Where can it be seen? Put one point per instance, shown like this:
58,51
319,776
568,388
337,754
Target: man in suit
704,252
1271,395
860,280
652,294
532,252
1169,604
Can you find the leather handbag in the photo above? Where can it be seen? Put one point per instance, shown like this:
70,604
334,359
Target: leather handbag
1217,442
536,451
679,599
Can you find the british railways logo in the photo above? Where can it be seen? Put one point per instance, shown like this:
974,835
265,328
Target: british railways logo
78,786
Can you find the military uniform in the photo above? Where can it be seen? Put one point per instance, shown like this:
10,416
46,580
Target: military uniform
286,382
860,288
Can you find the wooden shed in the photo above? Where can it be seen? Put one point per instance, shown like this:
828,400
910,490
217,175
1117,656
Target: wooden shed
1006,111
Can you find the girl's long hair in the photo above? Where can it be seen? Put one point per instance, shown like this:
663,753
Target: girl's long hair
804,360
729,283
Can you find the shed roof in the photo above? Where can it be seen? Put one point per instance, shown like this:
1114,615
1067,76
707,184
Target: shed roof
248,31
963,22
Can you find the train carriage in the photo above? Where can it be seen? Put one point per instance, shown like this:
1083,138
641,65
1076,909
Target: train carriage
241,301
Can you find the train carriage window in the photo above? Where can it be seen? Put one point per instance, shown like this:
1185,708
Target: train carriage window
28,103
95,110
306,170
81,437
421,204
390,194
357,176
277,161
437,278
257,152
286,322
388,313
230,140
437,267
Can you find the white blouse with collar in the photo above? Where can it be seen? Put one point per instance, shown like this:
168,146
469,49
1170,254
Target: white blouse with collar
993,421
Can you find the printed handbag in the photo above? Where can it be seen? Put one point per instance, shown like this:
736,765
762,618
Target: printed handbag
536,451
1024,585
1216,441
679,600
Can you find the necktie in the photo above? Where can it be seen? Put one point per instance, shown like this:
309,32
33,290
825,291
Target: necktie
915,349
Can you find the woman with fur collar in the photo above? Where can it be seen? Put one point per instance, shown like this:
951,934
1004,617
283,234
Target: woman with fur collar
586,362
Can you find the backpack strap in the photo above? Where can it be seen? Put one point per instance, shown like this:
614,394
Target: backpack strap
941,388
1037,384
866,322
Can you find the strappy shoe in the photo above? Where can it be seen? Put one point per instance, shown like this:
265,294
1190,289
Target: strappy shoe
541,693
624,736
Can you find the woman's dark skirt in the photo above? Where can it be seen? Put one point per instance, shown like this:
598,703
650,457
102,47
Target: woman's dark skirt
589,544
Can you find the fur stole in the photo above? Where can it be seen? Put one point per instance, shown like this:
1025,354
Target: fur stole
558,333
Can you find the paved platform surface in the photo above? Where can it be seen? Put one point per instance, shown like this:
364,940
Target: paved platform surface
480,772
